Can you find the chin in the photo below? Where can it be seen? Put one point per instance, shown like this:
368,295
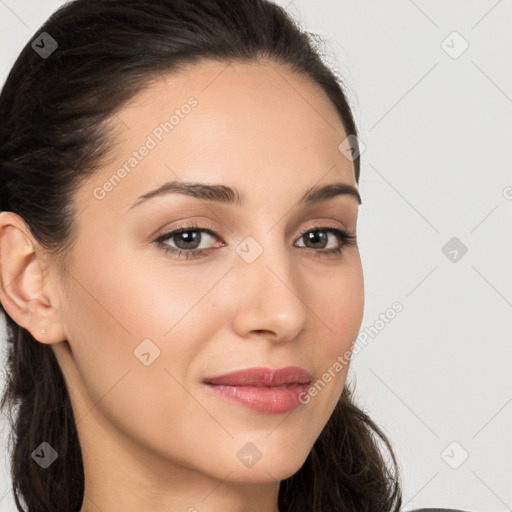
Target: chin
269,465
264,474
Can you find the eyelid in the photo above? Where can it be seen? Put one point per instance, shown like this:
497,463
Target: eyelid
319,225
186,226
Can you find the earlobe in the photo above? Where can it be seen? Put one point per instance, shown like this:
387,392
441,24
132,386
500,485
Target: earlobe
22,281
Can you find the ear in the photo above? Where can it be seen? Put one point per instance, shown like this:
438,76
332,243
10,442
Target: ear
24,287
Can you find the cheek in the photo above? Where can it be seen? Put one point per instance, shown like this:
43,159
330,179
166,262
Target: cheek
120,316
338,299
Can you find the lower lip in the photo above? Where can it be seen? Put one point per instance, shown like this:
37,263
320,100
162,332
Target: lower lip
262,399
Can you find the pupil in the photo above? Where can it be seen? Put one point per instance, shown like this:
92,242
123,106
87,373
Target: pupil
317,237
186,238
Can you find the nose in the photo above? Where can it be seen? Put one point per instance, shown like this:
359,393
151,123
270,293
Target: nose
268,299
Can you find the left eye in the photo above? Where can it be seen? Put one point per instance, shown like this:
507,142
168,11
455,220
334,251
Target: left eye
321,236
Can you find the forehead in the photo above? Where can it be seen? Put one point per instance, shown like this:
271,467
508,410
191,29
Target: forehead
241,123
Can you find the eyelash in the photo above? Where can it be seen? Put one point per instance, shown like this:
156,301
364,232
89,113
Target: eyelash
345,239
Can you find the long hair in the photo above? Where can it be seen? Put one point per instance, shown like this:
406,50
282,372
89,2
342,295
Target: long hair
54,112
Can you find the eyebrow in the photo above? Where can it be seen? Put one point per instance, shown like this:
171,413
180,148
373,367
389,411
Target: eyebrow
228,195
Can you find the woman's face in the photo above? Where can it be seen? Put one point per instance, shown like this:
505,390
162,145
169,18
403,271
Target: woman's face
146,328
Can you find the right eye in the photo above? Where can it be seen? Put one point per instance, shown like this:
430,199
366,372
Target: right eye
187,241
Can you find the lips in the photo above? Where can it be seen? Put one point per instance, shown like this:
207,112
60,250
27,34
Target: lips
263,377
265,390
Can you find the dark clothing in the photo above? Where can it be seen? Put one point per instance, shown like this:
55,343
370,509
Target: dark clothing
436,510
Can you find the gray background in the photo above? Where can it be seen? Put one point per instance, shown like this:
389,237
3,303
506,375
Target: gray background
437,127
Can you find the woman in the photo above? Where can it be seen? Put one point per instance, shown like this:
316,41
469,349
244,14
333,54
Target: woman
180,275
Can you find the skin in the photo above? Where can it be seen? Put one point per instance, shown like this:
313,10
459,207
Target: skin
152,437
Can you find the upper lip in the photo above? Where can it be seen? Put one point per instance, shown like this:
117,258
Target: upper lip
260,376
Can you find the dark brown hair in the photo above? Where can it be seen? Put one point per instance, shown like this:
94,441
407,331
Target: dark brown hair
53,134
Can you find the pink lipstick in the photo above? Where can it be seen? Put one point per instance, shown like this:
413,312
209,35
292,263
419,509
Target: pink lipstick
265,390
